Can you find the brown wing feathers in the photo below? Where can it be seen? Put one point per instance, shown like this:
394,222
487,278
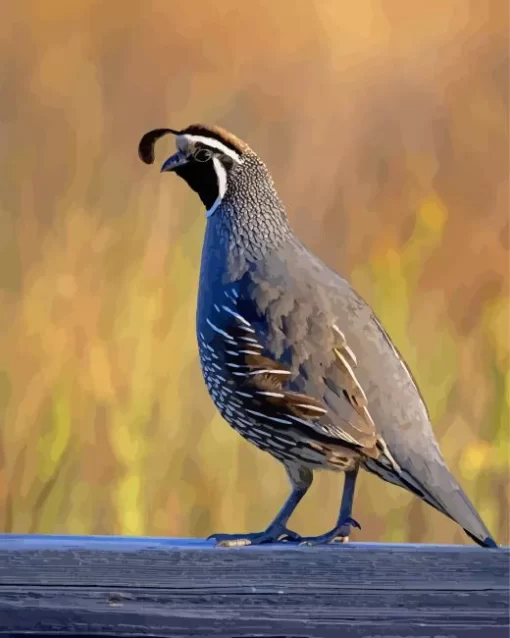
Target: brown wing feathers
264,383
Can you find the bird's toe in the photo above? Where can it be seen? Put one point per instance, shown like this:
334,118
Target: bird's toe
339,534
274,534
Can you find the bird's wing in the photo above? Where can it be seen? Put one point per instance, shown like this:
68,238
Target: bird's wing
336,413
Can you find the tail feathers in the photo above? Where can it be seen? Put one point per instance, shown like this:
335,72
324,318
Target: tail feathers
447,497
486,542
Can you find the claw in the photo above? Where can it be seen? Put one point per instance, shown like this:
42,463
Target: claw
289,536
352,523
339,534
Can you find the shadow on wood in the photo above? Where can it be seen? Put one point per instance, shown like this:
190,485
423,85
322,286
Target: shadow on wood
108,586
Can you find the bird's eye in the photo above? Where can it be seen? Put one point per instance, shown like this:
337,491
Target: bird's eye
202,155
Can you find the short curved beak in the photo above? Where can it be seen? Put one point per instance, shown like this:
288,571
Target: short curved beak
174,161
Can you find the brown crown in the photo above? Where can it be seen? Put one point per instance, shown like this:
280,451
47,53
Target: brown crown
217,133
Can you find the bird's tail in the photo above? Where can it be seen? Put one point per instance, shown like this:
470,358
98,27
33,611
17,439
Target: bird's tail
446,495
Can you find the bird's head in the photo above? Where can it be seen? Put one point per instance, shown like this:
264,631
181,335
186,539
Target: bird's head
206,157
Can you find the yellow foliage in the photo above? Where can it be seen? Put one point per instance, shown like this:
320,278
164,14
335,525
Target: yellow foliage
433,214
475,458
128,501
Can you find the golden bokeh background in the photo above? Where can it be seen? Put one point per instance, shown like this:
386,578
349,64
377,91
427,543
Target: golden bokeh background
385,125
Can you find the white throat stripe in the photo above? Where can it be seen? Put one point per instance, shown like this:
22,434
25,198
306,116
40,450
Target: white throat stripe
212,143
221,176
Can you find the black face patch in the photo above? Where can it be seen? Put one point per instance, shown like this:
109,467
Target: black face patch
201,177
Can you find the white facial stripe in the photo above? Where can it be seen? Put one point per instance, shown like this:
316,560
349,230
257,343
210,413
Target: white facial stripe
212,143
221,176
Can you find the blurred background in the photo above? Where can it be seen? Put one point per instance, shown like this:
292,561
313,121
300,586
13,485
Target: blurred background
385,125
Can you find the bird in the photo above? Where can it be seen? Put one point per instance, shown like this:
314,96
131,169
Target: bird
292,356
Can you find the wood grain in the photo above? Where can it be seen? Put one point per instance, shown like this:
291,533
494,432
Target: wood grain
99,586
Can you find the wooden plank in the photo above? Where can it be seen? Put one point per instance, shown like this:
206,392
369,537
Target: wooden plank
98,586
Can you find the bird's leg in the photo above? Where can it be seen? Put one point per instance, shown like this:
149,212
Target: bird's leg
345,521
301,479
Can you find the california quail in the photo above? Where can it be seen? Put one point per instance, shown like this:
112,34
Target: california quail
293,358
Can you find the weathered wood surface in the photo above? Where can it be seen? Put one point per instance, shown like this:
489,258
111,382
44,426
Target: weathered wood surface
108,586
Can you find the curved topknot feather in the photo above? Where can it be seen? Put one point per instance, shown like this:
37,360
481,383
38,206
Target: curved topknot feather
148,141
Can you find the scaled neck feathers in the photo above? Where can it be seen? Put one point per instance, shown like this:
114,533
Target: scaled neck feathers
251,219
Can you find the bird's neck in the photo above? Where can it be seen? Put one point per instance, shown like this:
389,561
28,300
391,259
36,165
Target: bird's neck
250,223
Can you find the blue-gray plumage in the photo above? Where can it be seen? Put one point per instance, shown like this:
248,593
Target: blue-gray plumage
292,356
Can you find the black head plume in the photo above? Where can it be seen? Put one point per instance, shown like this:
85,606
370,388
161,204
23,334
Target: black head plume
148,141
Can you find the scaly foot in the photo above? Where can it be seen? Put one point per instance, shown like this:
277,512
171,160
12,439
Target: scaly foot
339,534
273,534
